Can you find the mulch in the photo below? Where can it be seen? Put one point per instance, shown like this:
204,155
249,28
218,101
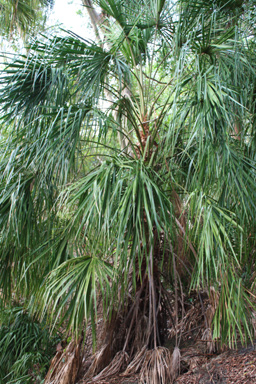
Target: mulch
232,367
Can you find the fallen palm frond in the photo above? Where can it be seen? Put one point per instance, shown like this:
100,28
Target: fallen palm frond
65,366
117,364
156,367
136,363
98,360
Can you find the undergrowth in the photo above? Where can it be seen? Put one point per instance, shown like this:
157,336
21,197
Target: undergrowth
26,347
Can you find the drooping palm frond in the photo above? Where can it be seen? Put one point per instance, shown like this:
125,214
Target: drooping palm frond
106,209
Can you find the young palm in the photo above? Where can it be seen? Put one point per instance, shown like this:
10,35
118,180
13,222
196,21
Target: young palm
128,172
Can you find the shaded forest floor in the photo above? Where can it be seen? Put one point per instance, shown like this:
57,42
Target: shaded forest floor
227,368
231,366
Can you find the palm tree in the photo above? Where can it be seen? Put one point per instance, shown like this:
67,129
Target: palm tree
128,176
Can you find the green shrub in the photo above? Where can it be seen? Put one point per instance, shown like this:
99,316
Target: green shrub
26,347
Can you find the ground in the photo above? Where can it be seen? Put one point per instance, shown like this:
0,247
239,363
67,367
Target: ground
230,367
238,367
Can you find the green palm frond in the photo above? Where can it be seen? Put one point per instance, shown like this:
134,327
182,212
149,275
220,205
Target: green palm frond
75,284
139,144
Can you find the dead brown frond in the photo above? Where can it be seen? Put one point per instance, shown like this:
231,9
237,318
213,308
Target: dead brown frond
156,367
213,304
211,344
175,363
65,365
136,363
110,341
98,361
117,364
192,319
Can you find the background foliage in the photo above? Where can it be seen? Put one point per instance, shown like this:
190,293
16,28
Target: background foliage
26,347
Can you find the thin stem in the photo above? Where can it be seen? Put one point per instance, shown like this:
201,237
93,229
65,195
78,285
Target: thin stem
176,299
